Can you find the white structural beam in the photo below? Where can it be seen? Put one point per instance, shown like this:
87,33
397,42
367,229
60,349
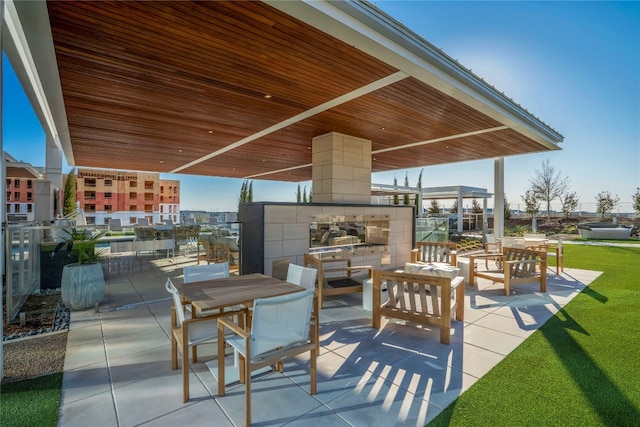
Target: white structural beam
3,177
28,44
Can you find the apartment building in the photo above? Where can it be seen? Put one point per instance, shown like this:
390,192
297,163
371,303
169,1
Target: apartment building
29,196
20,199
105,194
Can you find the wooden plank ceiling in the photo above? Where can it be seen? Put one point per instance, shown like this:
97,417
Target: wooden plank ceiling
157,86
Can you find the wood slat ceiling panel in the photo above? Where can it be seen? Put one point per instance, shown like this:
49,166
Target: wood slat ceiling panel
143,76
155,85
495,144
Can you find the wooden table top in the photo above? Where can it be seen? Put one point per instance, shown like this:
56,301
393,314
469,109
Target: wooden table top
234,290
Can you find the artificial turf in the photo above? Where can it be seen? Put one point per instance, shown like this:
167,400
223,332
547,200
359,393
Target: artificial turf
32,402
581,368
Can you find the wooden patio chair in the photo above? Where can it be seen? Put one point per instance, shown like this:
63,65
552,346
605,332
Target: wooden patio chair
335,276
513,265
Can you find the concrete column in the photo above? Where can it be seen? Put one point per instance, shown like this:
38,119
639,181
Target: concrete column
341,169
498,197
54,170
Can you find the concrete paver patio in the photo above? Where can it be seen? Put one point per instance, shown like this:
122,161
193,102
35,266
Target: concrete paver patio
118,363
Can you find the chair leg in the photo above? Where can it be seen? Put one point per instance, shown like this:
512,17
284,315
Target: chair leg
313,387
221,379
247,396
185,369
174,352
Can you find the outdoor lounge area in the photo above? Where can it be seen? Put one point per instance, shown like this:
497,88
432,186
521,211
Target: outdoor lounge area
118,362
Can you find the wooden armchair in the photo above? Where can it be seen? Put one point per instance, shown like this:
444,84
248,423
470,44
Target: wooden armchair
435,252
335,276
514,265
408,299
213,252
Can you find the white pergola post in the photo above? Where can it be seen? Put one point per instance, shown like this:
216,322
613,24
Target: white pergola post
498,197
460,210
485,224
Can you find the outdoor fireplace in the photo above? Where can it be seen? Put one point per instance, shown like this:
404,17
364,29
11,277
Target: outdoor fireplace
275,233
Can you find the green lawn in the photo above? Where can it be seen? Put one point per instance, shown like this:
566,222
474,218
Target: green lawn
581,368
31,403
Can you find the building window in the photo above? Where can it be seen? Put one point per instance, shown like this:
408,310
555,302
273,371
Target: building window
148,197
107,208
89,208
16,208
8,183
91,220
108,183
16,196
148,208
133,195
8,207
161,199
16,183
89,195
29,183
133,220
133,184
89,182
162,188
107,195
8,196
29,208
175,190
148,185
133,208
29,196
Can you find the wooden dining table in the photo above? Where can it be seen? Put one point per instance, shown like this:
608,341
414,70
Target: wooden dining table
218,294
228,293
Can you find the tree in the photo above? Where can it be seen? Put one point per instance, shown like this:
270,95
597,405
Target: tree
69,203
636,201
304,195
298,195
406,199
396,199
507,208
605,203
434,208
454,208
475,207
311,195
246,192
531,203
548,185
569,202
416,200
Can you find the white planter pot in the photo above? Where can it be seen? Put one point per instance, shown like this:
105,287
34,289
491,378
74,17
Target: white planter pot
82,285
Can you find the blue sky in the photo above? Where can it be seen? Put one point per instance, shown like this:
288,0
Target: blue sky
575,65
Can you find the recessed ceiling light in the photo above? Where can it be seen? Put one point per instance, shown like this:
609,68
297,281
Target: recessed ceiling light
210,131
382,128
161,161
267,96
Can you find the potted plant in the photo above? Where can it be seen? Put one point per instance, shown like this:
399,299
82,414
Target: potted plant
83,281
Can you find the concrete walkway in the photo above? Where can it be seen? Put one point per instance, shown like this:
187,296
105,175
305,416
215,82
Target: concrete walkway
118,361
